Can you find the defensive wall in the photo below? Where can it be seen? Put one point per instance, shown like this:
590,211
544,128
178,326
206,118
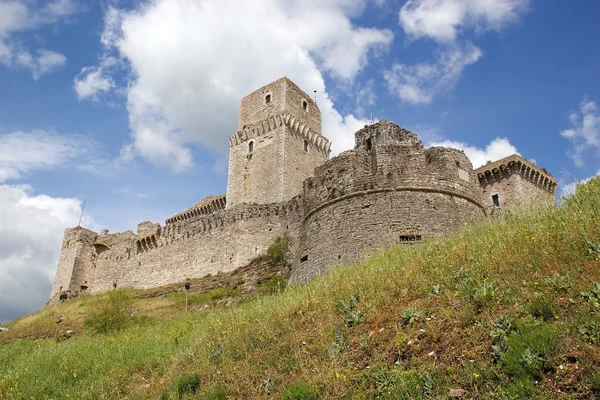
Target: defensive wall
388,190
189,246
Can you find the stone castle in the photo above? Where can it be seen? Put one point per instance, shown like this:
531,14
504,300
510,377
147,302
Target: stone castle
388,190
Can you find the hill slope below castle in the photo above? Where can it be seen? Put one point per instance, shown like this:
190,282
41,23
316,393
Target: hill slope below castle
506,309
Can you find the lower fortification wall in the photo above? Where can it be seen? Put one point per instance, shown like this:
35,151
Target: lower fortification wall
353,226
158,255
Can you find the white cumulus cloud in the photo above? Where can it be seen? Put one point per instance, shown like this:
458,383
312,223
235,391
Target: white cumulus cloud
495,150
31,228
584,134
443,20
21,152
420,83
19,16
190,63
91,81
446,22
44,62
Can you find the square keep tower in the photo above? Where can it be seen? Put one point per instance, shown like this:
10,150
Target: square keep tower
277,146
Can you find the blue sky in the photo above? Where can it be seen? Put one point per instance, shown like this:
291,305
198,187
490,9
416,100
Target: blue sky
129,105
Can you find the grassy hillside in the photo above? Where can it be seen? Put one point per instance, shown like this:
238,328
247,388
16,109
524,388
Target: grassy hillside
507,309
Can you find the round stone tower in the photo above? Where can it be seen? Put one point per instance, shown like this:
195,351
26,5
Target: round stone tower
387,190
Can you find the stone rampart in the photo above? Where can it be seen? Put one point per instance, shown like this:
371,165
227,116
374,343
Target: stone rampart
388,190
156,255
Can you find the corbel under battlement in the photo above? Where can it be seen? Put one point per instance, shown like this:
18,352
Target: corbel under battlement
296,126
517,165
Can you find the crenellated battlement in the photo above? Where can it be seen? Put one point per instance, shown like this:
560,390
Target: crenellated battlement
206,206
515,164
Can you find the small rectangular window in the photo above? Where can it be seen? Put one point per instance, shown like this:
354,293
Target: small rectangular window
410,239
496,200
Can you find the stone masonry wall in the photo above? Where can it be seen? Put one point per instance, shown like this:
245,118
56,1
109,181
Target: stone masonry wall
388,190
72,272
517,184
267,160
157,255
362,223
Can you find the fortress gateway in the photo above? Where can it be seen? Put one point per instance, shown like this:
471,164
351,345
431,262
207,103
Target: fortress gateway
387,190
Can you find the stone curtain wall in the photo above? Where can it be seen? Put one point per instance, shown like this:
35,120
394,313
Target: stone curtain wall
517,183
388,190
157,255
362,223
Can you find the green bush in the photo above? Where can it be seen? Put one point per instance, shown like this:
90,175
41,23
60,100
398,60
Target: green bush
114,312
528,351
279,251
595,381
216,394
543,307
276,284
411,315
300,391
187,383
395,384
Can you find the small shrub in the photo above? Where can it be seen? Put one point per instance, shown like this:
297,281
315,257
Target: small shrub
557,283
300,391
276,284
528,350
348,307
411,315
266,383
595,383
593,296
365,343
523,388
436,289
590,331
501,330
216,394
484,294
187,383
394,384
593,249
279,251
543,307
216,356
339,343
114,313
206,297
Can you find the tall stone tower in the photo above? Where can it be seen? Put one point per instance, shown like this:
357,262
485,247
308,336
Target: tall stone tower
277,146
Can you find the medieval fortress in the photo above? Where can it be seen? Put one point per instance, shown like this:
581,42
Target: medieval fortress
387,190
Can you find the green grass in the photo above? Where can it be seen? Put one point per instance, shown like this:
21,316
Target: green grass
505,309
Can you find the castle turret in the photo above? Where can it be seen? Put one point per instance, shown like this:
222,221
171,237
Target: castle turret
513,182
277,146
